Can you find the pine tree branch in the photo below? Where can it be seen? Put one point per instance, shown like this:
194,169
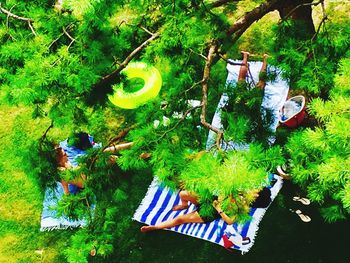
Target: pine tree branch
242,24
69,36
206,75
120,135
21,18
201,55
43,137
192,87
219,3
323,21
110,77
178,123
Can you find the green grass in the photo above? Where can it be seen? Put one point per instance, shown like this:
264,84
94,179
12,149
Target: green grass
21,198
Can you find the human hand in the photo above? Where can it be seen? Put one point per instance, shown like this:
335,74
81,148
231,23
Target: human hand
216,205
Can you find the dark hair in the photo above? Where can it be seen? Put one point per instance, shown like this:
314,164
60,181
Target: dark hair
264,198
80,140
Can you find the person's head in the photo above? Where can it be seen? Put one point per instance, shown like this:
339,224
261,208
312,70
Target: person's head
61,157
263,199
80,140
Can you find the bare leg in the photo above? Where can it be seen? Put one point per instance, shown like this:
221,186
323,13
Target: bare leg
185,197
261,83
65,187
244,67
192,217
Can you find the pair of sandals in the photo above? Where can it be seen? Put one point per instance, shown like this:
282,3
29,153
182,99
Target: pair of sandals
304,201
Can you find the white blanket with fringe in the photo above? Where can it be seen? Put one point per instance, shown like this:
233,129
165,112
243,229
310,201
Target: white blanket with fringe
156,207
50,220
49,217
275,94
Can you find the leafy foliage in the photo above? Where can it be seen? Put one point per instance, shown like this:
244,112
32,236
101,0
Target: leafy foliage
320,156
59,69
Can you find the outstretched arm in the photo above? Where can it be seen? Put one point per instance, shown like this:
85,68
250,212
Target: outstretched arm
116,148
224,217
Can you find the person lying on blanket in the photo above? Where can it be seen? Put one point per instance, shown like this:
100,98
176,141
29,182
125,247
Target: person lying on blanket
82,142
263,199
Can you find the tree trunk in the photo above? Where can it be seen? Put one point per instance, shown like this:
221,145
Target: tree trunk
300,11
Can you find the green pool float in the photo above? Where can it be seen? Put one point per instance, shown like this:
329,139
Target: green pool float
150,90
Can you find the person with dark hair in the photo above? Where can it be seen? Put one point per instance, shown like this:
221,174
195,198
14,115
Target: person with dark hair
63,164
80,140
263,199
66,155
75,146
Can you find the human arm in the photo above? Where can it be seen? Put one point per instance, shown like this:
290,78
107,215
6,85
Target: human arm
116,148
226,218
65,187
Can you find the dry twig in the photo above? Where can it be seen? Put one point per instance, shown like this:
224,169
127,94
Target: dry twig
106,79
21,18
206,75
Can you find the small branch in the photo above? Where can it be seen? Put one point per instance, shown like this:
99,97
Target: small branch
301,5
9,14
201,55
54,41
146,30
323,21
206,75
192,87
178,123
241,25
136,25
120,135
69,36
319,28
42,138
219,3
31,28
115,73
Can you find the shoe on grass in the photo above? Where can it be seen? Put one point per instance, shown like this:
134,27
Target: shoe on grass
304,218
302,200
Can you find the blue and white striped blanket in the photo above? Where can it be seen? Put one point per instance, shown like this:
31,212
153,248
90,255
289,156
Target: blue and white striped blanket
156,207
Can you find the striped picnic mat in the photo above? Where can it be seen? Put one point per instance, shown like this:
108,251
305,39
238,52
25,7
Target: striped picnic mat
157,206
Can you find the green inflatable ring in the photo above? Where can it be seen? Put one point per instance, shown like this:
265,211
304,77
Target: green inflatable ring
132,100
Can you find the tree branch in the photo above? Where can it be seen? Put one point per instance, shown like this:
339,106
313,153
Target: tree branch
43,137
9,14
69,36
219,3
109,78
206,75
323,21
301,5
240,26
178,123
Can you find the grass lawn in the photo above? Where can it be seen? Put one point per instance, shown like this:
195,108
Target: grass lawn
21,197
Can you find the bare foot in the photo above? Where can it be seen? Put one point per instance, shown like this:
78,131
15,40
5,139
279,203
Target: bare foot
266,56
179,207
245,53
147,228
